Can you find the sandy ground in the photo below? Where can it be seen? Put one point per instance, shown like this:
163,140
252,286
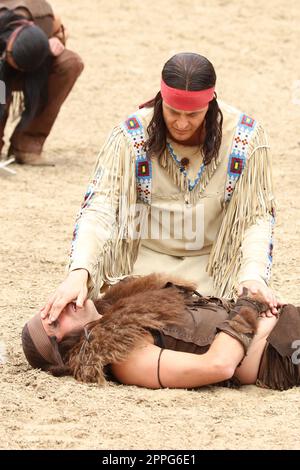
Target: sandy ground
255,50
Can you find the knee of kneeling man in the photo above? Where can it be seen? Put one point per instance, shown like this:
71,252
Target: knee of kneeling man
76,64
69,63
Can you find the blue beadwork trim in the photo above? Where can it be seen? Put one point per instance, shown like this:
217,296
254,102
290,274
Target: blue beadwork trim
194,183
239,151
86,203
135,130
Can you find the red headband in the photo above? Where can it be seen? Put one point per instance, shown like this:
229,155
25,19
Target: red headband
186,100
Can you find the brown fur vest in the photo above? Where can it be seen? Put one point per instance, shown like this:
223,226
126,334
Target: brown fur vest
130,309
136,305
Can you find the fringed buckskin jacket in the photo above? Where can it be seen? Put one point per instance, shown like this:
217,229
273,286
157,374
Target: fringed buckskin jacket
139,212
181,319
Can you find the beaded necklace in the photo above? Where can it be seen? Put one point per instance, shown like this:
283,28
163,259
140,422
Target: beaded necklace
191,184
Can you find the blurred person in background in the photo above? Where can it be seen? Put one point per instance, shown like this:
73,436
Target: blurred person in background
38,72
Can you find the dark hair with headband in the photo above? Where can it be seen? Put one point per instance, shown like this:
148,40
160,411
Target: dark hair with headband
30,53
55,358
44,352
192,72
64,358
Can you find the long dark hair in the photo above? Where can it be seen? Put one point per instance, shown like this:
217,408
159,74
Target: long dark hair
193,72
31,54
